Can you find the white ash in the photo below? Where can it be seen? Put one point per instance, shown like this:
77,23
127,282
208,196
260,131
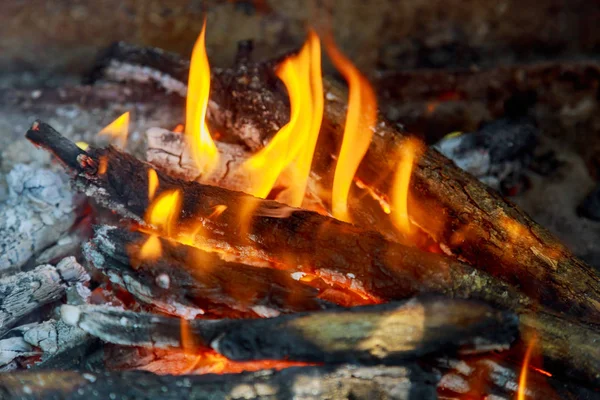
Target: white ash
38,211
14,347
122,72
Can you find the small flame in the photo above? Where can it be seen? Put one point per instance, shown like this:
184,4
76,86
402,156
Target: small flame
204,150
151,249
163,213
152,183
118,130
360,122
523,377
179,128
102,165
218,210
292,148
82,145
409,151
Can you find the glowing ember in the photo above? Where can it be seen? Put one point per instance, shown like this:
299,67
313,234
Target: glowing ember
152,183
118,130
179,128
410,149
292,148
360,122
523,377
163,213
204,150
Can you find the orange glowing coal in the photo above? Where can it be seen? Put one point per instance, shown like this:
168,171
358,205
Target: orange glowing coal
358,131
204,150
410,149
118,130
292,148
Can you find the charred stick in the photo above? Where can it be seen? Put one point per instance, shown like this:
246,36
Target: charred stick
333,382
25,292
369,334
185,280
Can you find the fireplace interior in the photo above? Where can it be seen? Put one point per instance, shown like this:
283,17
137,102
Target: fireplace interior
286,199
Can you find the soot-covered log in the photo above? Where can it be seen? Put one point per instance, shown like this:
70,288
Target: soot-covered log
308,242
383,333
25,292
464,216
186,281
332,382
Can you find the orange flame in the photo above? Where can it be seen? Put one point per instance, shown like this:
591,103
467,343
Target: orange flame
523,377
118,130
293,146
360,122
152,183
151,249
410,149
163,213
204,150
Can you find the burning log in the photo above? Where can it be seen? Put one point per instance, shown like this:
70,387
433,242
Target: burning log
335,382
383,333
315,244
39,210
185,281
25,292
458,212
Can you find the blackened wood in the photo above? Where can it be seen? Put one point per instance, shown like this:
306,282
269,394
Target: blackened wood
341,382
22,293
372,334
460,213
194,278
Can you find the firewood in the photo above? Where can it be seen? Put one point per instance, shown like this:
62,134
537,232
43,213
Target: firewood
186,281
458,212
367,334
316,245
331,382
25,292
38,211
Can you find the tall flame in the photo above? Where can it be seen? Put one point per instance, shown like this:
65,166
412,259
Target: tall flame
292,148
358,131
523,378
204,150
410,149
118,130
163,213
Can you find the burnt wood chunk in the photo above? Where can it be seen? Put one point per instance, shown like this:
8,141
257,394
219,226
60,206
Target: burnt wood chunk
187,281
382,333
333,382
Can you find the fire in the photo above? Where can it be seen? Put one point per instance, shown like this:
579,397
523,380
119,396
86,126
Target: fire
152,183
151,249
163,213
292,148
409,151
523,378
118,130
204,150
360,122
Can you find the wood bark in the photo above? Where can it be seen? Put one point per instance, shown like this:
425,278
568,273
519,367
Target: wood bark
22,293
38,211
383,333
461,214
186,281
319,246
341,382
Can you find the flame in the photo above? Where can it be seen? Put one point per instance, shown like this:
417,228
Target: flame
118,130
409,150
179,128
523,377
152,183
151,249
360,122
218,210
163,213
204,150
292,148
82,145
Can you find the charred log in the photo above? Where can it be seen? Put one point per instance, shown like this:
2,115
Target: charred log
25,292
185,281
379,333
342,382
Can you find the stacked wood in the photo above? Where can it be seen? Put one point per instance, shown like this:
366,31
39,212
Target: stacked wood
383,333
39,210
336,382
25,292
